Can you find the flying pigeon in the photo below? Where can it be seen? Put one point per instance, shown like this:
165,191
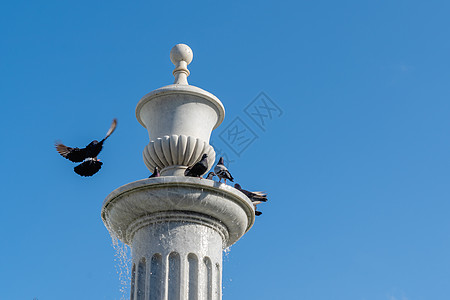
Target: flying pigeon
222,171
210,175
87,155
155,173
199,168
253,196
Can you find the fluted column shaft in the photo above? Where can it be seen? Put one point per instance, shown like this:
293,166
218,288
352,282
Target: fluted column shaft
177,259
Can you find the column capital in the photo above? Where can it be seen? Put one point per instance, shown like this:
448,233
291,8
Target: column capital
139,200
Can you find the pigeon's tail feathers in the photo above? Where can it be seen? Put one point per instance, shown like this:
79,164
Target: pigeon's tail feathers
222,172
228,176
256,202
72,154
255,197
111,128
261,194
88,168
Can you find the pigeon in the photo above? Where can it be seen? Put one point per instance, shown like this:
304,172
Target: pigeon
253,196
199,168
88,155
91,150
222,171
258,213
155,173
210,175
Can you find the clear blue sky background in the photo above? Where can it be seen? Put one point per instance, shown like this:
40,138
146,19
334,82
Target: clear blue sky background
357,166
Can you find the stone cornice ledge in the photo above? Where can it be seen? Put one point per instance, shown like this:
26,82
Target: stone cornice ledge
123,207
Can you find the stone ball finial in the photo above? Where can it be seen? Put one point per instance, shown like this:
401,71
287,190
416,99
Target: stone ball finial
181,56
181,52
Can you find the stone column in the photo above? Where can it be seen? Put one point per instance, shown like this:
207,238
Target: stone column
178,226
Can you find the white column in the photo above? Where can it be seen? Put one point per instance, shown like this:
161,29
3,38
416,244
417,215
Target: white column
185,245
178,226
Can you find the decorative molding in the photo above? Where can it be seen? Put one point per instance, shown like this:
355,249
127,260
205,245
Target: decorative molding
178,216
176,152
146,197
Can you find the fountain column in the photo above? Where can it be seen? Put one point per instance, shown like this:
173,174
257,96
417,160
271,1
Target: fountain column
178,226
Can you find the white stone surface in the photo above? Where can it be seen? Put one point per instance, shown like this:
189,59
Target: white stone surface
179,110
190,256
177,228
128,203
173,153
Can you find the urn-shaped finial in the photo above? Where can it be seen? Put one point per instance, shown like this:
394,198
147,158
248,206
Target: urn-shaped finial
179,119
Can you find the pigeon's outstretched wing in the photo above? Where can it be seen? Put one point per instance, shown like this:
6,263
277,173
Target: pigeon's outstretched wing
91,150
95,147
72,154
88,168
222,171
111,129
199,168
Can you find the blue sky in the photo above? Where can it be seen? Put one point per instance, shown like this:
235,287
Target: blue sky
357,165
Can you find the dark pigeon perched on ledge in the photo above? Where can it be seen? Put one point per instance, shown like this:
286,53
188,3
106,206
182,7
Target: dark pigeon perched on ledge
255,197
199,168
155,173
